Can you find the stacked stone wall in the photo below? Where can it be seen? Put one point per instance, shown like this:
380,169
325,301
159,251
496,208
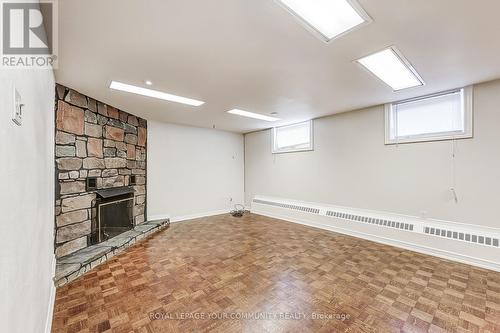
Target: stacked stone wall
93,139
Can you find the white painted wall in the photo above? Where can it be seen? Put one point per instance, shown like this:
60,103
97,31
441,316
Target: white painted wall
192,171
27,203
352,167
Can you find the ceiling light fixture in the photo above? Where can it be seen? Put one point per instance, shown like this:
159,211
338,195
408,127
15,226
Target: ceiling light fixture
252,115
390,66
149,83
327,18
153,93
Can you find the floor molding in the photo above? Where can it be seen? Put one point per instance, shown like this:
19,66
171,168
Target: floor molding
52,297
189,217
312,220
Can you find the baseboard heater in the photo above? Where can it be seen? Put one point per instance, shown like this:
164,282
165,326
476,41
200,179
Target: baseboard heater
325,216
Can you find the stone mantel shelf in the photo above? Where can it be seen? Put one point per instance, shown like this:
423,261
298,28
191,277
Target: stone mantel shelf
115,191
72,266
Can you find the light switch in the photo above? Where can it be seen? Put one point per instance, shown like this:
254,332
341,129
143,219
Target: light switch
17,116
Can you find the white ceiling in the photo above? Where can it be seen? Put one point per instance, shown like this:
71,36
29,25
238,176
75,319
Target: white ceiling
253,55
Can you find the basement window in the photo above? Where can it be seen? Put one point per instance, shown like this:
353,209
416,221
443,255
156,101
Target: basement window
441,116
292,138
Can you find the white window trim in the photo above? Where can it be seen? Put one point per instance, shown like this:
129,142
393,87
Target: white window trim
468,121
293,148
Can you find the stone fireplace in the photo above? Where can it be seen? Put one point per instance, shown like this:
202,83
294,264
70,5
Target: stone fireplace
99,150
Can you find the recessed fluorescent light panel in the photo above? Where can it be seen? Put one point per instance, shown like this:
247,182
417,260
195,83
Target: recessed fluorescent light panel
154,93
327,18
390,66
252,115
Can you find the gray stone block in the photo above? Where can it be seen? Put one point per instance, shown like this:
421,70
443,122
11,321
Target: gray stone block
115,123
159,222
72,231
72,217
109,172
64,138
65,151
63,270
144,227
75,98
90,117
71,247
86,255
61,90
139,219
69,163
114,162
92,104
121,146
109,143
124,172
132,120
116,242
102,108
130,129
109,152
131,138
140,189
94,173
94,163
116,181
93,130
128,234
73,175
121,153
101,120
63,175
78,202
81,148
73,187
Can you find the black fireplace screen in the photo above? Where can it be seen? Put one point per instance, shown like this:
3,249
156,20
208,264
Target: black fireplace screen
114,214
114,218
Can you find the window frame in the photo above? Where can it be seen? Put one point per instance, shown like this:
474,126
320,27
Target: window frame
467,102
295,148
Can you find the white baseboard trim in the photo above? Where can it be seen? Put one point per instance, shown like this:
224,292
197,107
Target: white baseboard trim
158,217
198,215
314,219
188,217
52,298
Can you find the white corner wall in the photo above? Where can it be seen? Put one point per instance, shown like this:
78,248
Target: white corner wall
192,172
27,203
350,166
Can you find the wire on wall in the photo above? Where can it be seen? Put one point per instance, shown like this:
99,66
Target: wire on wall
453,170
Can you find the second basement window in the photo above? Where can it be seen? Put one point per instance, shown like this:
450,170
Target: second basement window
296,137
442,116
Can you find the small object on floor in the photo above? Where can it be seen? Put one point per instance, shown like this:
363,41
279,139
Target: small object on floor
238,210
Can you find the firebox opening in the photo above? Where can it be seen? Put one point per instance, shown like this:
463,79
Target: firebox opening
114,213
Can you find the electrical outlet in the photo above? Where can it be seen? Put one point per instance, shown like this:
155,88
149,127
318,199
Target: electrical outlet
17,116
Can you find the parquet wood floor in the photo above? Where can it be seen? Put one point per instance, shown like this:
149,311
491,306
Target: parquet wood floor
187,278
